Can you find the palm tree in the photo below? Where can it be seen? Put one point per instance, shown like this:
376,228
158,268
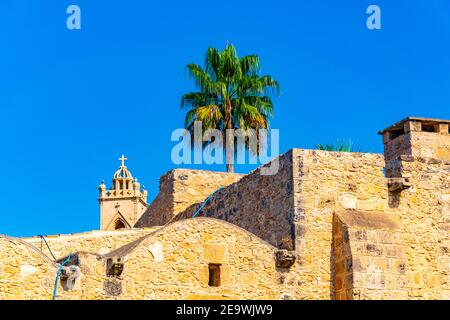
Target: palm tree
231,95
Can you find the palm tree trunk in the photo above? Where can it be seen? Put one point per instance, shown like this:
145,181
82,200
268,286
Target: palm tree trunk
229,150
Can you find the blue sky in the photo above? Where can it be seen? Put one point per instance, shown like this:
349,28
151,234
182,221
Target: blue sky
72,102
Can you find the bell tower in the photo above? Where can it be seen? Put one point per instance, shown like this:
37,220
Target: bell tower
124,203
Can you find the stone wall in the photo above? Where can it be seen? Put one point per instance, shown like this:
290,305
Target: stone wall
369,256
260,204
418,137
294,209
175,265
431,145
325,183
25,272
424,210
172,262
393,147
183,189
419,144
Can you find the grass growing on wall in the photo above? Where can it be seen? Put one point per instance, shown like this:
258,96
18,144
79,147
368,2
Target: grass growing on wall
339,146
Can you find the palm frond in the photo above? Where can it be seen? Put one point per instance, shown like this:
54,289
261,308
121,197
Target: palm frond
250,65
212,63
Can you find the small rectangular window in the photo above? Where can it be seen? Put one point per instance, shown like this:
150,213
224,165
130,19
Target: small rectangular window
214,275
396,133
428,128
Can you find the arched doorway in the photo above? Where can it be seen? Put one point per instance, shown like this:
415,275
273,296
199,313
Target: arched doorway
119,224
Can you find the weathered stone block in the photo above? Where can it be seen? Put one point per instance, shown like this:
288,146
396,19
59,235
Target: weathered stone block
359,280
394,251
348,201
361,263
374,249
157,251
375,281
112,287
397,266
285,258
381,263
214,253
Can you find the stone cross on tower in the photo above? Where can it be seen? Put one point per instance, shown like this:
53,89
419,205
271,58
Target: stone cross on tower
123,159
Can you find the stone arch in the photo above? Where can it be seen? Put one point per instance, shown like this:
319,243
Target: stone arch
119,224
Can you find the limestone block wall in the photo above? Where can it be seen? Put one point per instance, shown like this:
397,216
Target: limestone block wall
247,264
369,256
260,204
25,273
431,144
424,211
182,189
397,146
419,144
90,285
294,208
173,263
327,182
418,137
